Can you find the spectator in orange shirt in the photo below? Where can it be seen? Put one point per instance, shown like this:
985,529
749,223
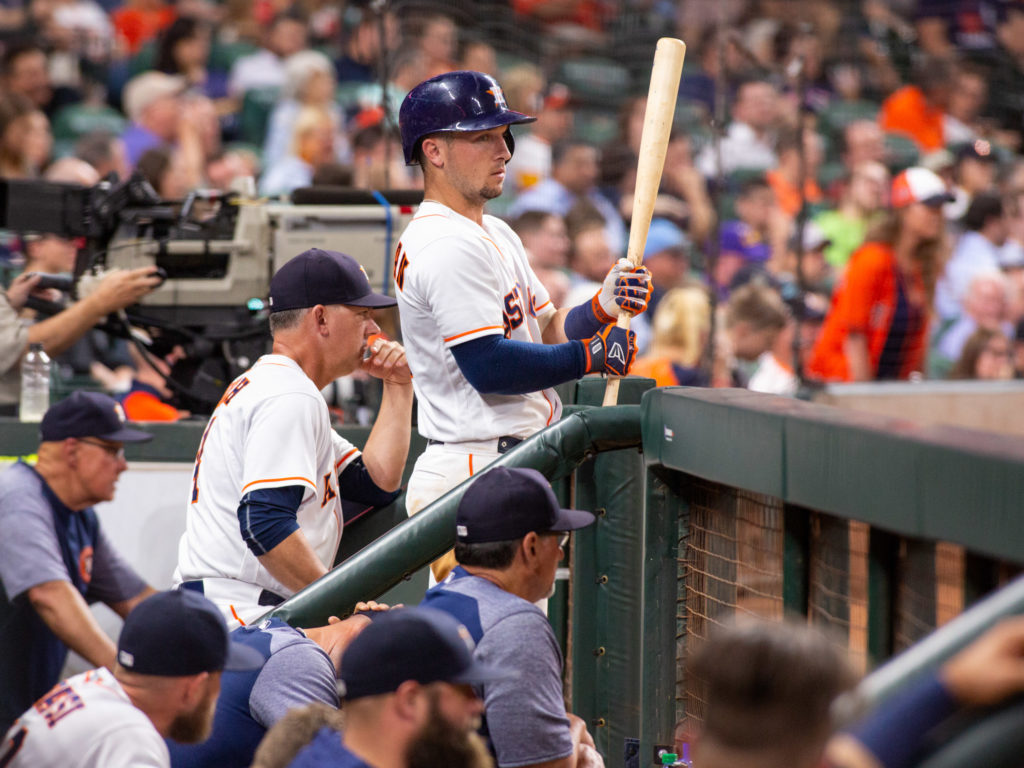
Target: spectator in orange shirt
139,21
918,110
785,178
149,397
877,326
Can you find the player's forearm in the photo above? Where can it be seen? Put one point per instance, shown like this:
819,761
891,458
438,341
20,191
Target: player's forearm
387,448
553,331
124,607
500,366
61,331
64,611
293,562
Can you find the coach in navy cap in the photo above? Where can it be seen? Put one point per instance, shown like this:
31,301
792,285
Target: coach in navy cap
269,453
408,683
54,555
324,277
510,536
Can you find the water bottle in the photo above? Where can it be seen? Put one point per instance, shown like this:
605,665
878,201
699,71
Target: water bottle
35,384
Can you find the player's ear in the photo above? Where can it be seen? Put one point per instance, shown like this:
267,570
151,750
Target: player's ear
431,151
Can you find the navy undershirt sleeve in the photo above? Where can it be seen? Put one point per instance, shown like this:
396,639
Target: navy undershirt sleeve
355,484
499,366
268,516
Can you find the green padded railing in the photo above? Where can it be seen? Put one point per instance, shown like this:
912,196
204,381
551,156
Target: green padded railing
414,543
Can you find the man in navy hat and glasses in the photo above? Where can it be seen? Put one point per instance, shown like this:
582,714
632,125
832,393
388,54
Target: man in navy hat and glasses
510,534
264,515
54,557
170,656
408,683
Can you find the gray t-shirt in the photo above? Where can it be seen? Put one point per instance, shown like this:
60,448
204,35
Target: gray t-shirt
525,716
13,343
30,552
297,673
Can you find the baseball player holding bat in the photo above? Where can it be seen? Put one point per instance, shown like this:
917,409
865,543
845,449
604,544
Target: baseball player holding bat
264,516
485,345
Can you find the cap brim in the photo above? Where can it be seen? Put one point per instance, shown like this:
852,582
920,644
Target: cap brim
127,435
242,657
480,673
940,199
486,122
374,300
572,519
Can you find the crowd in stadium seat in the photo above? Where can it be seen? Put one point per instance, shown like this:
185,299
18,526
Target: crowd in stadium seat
822,109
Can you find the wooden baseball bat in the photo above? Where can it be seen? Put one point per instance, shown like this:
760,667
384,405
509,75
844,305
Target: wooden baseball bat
661,107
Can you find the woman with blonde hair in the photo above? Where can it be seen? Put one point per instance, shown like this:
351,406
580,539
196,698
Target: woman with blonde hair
312,145
309,82
680,331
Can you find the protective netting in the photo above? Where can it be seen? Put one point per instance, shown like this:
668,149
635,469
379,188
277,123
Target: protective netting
731,563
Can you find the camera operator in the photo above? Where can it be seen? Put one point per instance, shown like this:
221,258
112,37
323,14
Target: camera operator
57,333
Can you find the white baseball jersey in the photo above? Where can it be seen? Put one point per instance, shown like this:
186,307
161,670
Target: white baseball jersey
457,281
271,429
86,721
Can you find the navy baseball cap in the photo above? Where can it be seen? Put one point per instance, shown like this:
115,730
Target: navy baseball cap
421,644
179,633
506,503
323,277
88,414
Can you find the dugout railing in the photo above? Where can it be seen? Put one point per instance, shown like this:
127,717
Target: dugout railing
878,529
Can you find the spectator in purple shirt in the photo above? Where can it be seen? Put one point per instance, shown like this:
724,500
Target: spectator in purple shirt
152,101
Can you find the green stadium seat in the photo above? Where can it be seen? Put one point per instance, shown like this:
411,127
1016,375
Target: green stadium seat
689,115
595,81
77,120
144,60
595,126
223,55
839,114
254,116
900,152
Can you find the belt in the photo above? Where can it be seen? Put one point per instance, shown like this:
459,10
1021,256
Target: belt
266,598
505,443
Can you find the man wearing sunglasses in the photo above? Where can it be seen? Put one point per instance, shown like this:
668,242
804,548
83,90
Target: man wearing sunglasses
54,557
510,536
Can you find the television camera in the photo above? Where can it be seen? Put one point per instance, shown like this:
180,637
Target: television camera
216,251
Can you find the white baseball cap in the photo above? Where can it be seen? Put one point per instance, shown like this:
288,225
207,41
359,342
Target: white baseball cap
919,185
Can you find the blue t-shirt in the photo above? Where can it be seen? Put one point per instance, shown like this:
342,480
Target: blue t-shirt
41,541
295,672
738,237
524,717
326,751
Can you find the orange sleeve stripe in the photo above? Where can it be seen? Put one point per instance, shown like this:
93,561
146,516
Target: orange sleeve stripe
343,458
495,247
278,480
236,615
475,330
538,309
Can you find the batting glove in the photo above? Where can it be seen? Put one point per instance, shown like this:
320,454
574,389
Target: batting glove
624,287
611,351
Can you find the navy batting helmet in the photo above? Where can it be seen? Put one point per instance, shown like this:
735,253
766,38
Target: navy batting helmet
455,101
